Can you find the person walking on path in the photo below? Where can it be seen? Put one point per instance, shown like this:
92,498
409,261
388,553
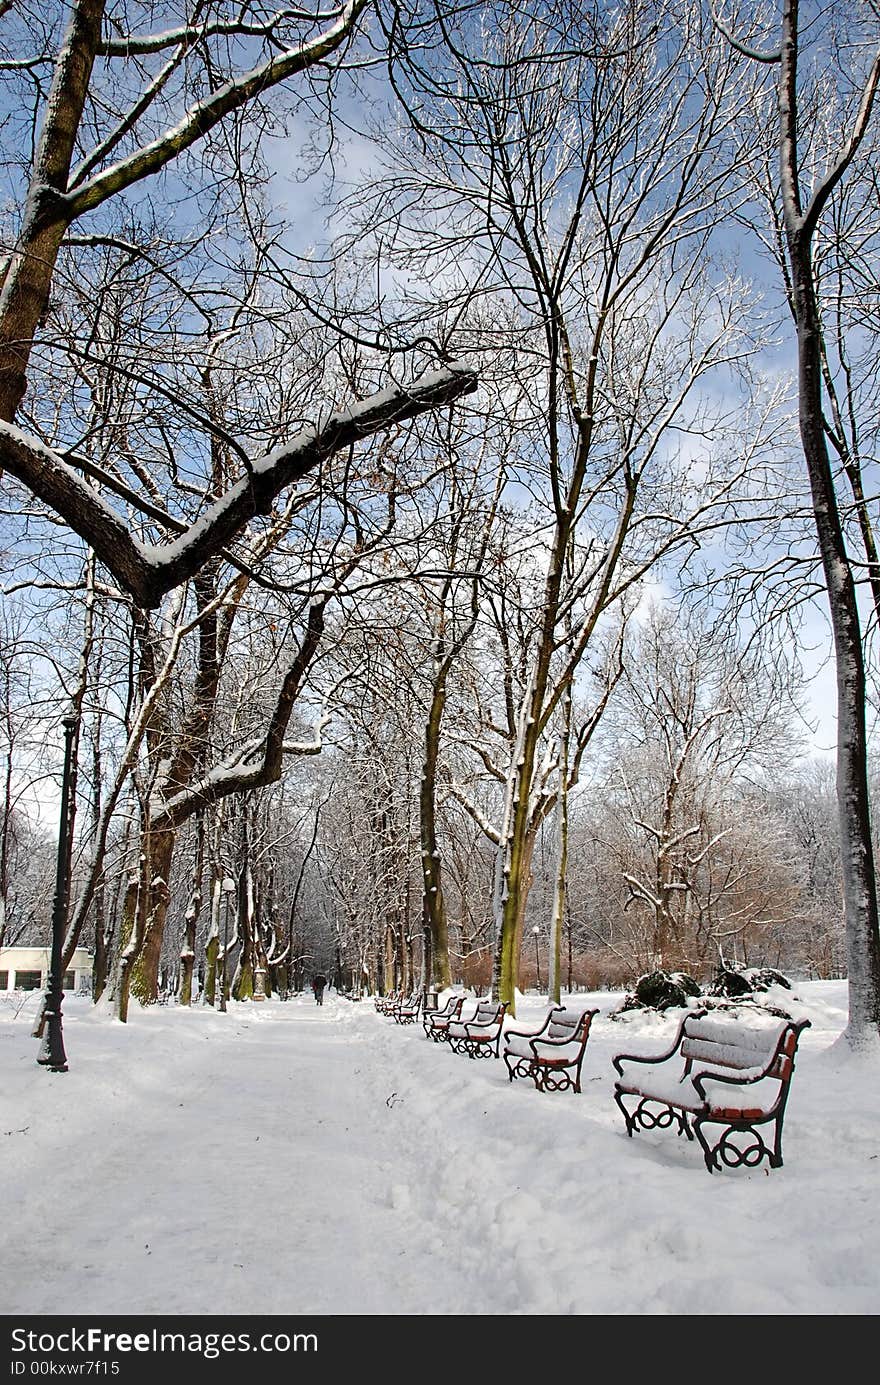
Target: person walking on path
318,984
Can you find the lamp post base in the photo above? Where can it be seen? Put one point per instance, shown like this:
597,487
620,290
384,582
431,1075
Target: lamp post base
52,1055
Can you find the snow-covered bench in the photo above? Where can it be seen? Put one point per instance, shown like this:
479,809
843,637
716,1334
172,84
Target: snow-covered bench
386,1003
407,1011
551,1056
436,1022
480,1035
717,1072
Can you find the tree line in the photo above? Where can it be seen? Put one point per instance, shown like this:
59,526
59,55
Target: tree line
343,555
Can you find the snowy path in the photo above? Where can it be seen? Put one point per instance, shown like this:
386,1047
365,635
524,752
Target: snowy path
239,1166
286,1159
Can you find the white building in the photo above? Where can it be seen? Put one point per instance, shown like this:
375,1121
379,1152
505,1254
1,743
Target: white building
26,969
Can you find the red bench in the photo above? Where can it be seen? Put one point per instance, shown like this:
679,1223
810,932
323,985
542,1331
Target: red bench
718,1072
436,1022
407,1011
551,1056
386,1003
480,1035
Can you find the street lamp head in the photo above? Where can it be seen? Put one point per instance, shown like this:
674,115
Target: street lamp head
228,886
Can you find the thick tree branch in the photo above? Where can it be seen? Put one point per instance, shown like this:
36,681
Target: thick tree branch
203,116
141,44
148,572
773,55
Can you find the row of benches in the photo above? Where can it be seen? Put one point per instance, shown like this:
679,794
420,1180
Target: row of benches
717,1072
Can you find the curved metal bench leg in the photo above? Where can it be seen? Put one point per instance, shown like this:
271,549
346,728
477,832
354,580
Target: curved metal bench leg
630,1123
776,1157
709,1151
735,1155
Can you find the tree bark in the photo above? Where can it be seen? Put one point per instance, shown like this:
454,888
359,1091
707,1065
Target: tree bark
857,855
437,970
188,951
28,278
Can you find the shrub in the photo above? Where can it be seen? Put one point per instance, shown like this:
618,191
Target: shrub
734,982
730,983
662,990
762,978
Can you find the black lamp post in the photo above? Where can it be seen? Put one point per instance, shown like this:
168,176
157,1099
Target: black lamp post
52,1055
536,930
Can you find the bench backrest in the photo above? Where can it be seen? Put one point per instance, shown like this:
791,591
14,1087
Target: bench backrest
450,1010
568,1024
737,1046
487,1012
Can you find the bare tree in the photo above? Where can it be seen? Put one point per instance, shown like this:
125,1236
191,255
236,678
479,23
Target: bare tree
569,185
699,719
809,175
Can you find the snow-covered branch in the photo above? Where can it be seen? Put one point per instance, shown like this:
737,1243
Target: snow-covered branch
473,811
147,572
205,114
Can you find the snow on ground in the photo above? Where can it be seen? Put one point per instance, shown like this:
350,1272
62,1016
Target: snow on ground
290,1159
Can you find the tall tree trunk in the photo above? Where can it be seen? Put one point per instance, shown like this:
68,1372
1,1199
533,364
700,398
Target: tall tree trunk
436,929
513,869
157,854
212,947
857,852
188,951
134,919
554,984
857,855
243,983
101,959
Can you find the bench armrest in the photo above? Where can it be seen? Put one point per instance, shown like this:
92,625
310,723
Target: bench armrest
741,1078
481,1026
542,1045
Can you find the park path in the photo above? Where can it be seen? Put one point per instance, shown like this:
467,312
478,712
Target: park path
199,1163
286,1159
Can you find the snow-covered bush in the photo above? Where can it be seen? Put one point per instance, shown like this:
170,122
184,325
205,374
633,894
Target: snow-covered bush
734,982
661,990
762,978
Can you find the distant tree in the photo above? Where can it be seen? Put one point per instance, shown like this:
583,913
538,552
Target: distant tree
569,178
698,722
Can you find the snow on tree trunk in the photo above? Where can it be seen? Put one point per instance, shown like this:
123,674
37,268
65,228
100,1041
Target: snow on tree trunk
857,855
